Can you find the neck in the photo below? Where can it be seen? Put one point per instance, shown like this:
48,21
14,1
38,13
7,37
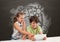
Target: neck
33,28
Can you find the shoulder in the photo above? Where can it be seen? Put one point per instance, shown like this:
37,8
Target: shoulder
29,27
16,24
40,29
39,26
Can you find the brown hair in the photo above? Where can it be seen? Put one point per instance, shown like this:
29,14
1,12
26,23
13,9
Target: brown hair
34,18
17,15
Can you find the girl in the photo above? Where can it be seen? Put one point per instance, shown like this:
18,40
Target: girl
19,27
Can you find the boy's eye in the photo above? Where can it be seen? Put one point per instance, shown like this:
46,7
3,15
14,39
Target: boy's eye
33,23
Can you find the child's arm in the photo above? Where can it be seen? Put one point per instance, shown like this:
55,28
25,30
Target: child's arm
24,29
29,36
41,32
20,30
24,25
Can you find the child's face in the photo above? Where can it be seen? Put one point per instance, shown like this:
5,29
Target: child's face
33,24
20,18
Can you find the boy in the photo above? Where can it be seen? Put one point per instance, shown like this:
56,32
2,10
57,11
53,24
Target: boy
34,28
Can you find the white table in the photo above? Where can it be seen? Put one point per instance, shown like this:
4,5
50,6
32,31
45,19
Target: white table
49,39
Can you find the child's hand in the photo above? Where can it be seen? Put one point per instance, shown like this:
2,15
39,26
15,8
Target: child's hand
40,33
24,37
23,22
30,36
44,38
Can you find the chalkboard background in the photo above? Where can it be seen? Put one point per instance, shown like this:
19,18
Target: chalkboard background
52,9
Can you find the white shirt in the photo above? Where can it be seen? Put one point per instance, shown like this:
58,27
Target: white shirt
16,34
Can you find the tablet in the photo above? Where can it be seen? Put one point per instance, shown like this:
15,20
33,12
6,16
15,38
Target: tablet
39,36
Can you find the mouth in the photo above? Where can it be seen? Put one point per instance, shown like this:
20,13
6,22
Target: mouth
34,28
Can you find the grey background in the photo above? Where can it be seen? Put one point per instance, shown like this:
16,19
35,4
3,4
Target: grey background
52,9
